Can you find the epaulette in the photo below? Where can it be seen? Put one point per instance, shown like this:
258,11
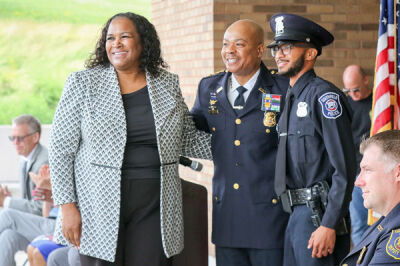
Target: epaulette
216,73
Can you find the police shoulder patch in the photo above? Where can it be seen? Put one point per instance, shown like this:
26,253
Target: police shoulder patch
393,245
330,104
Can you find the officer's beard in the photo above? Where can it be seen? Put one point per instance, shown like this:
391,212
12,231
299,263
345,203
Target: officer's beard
296,68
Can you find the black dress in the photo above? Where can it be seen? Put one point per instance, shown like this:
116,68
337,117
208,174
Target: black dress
139,236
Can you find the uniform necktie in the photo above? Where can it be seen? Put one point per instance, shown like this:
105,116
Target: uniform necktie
24,169
239,101
280,169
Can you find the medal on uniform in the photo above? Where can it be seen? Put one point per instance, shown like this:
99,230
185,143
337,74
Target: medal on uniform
269,119
302,109
212,108
271,102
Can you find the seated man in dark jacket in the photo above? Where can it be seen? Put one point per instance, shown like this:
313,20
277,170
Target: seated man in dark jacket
380,183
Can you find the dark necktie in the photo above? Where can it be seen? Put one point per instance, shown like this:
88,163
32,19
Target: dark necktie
239,101
280,169
23,170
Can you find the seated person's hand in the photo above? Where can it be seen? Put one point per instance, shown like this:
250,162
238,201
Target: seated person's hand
42,179
3,194
42,194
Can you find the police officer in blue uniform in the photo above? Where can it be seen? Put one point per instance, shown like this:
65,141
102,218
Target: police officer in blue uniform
379,181
240,108
315,166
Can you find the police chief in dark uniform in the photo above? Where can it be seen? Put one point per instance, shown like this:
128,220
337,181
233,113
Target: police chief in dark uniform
240,108
379,181
315,166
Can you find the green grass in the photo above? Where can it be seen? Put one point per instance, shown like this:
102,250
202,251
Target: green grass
70,11
42,42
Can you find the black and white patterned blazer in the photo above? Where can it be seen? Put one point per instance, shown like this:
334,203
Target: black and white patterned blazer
87,145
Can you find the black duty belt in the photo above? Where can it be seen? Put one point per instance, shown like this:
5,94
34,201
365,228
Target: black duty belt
299,196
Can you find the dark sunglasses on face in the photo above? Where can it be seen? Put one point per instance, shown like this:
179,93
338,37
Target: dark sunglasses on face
347,91
19,138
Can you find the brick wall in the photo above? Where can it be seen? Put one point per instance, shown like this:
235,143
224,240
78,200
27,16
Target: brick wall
191,33
354,23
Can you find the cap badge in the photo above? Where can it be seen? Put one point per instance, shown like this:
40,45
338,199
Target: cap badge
279,27
308,40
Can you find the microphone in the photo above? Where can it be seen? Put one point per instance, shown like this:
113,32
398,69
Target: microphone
194,165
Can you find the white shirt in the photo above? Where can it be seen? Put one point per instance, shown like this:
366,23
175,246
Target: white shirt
249,85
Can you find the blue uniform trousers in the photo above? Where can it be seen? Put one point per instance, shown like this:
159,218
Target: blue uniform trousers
298,232
248,256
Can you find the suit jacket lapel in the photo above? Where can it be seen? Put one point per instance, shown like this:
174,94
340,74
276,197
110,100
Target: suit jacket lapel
222,94
265,83
107,113
161,99
369,237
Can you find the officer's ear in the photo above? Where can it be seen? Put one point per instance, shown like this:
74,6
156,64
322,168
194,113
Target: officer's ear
311,54
396,172
260,50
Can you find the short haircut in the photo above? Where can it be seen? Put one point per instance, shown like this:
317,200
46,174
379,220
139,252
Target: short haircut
389,142
32,122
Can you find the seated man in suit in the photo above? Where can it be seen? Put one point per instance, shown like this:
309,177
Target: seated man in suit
379,181
18,229
25,135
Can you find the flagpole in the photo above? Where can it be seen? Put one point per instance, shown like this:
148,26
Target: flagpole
396,86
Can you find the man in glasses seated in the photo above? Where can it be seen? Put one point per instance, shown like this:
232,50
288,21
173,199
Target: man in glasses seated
25,135
356,88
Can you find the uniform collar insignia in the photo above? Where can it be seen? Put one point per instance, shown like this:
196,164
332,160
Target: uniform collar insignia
362,254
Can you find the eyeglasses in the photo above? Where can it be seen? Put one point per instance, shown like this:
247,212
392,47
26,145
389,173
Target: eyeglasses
347,91
286,49
19,138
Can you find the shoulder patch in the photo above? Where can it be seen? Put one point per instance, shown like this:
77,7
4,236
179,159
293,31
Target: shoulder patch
393,245
330,104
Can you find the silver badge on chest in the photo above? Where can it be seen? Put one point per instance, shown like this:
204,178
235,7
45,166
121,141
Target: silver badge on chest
302,109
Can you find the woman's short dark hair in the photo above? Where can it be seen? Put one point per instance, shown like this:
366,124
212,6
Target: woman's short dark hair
150,59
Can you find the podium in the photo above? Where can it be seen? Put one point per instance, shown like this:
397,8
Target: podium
195,213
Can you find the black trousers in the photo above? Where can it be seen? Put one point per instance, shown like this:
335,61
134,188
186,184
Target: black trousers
248,256
298,232
139,236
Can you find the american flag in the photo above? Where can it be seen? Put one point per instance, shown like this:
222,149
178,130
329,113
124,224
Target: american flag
386,100
386,84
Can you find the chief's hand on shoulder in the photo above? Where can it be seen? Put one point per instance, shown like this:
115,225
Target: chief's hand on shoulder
322,241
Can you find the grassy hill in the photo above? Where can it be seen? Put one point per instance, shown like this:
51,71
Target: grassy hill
42,42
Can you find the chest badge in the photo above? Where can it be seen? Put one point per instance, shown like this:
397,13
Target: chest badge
302,109
269,119
362,254
393,245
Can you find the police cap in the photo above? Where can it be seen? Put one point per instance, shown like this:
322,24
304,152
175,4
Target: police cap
290,27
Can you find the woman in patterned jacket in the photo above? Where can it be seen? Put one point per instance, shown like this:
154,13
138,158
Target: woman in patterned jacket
116,137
